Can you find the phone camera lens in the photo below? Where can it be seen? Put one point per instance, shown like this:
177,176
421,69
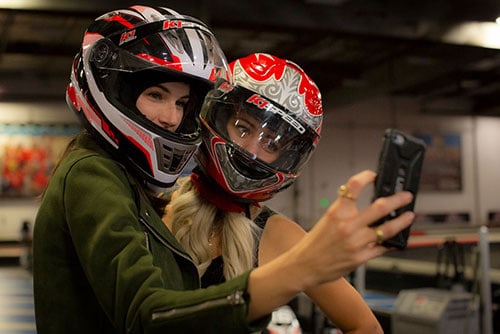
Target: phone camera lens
398,139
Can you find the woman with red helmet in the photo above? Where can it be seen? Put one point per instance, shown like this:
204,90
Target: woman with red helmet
259,128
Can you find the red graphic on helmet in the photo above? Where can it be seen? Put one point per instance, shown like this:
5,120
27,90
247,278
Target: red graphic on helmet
261,67
312,95
175,64
120,19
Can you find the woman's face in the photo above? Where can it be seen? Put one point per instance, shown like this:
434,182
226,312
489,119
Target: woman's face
164,104
247,132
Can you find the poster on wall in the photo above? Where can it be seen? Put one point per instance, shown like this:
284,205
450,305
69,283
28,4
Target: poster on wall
28,153
442,166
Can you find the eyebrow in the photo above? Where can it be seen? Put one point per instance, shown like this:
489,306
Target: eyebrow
166,90
245,119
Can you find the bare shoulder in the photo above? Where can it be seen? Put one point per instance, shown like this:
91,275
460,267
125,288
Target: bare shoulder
280,221
280,234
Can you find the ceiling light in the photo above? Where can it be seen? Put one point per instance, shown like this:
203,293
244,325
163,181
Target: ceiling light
19,4
483,34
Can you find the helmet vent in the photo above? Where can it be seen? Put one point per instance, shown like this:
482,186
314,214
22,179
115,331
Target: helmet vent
172,157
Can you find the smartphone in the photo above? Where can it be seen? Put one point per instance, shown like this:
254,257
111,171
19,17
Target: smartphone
399,168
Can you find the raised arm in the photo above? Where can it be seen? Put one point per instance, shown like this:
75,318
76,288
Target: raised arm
339,242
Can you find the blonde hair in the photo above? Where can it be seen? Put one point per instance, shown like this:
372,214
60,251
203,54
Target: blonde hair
194,219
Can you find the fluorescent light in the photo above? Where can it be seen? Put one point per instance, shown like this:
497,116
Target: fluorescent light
483,34
20,4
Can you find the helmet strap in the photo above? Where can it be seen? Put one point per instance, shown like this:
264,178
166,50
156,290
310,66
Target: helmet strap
215,195
248,214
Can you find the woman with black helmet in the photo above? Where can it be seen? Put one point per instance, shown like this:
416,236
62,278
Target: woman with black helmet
259,129
104,262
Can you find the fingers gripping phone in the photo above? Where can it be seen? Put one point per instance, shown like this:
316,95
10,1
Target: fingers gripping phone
399,168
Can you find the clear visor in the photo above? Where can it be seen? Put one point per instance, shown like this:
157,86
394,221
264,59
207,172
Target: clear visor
194,52
260,129
127,63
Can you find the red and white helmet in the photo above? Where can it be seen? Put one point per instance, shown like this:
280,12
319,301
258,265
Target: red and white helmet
286,110
126,51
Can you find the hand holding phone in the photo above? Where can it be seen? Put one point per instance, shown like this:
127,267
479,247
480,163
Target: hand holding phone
399,169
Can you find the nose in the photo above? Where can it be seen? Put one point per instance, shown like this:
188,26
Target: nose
251,145
170,117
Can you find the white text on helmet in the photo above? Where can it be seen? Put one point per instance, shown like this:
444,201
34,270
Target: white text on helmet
127,36
264,104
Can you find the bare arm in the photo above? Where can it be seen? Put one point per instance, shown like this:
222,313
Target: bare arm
340,302
345,307
339,242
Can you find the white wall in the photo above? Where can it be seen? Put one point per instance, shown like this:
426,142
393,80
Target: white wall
46,112
487,144
351,140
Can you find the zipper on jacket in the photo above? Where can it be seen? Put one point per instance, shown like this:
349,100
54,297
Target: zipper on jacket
162,240
235,298
146,237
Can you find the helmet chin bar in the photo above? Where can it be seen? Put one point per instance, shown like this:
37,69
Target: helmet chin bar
173,156
237,182
247,164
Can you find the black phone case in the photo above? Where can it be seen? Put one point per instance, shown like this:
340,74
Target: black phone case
399,168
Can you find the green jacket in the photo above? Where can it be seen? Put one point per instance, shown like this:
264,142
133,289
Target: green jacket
105,263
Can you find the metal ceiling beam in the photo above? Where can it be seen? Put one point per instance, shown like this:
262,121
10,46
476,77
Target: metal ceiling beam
401,76
97,7
367,23
76,5
430,20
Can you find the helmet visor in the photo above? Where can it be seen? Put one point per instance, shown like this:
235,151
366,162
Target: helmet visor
185,46
126,64
265,131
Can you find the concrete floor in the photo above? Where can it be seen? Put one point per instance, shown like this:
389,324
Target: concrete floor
16,299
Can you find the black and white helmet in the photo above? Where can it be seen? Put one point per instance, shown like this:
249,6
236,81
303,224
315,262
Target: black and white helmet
126,51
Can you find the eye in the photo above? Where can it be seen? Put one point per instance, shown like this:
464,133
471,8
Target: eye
181,103
269,144
155,94
241,128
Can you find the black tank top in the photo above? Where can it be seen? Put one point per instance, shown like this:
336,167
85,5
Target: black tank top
214,273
